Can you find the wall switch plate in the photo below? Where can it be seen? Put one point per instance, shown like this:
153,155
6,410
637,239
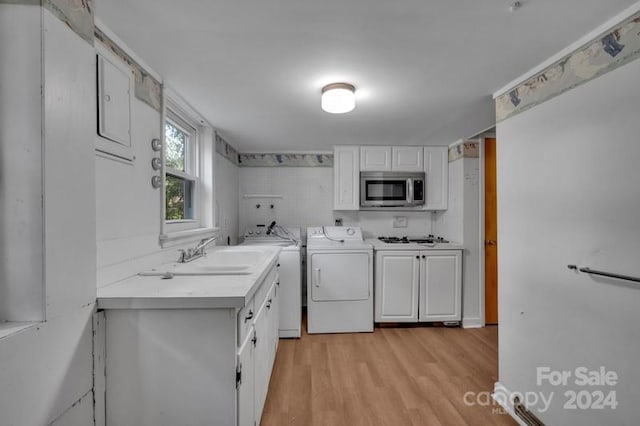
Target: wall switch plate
400,221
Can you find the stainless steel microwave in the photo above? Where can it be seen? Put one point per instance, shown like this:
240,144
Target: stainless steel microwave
391,189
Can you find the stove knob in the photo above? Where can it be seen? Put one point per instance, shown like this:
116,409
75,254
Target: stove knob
250,232
258,232
351,231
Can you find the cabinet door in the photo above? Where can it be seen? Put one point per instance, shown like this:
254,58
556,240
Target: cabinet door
396,286
346,178
114,107
440,285
375,158
407,159
245,386
261,364
436,167
273,320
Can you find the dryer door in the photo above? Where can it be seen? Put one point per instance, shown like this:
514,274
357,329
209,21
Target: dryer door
339,276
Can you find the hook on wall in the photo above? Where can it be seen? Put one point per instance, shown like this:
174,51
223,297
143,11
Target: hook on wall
257,206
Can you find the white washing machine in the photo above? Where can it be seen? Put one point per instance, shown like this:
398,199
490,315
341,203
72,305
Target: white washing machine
290,271
339,280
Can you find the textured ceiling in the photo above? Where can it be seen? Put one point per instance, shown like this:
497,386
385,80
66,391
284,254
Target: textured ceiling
424,70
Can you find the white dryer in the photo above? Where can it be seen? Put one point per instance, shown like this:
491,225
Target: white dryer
339,280
290,270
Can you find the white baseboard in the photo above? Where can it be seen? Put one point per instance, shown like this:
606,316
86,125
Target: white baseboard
502,396
472,323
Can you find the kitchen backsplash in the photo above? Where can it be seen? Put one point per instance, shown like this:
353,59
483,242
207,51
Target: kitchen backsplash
303,196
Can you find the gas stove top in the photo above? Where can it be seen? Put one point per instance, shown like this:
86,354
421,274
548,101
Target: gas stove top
430,239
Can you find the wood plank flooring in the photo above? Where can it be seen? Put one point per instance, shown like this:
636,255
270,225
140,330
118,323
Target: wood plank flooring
394,376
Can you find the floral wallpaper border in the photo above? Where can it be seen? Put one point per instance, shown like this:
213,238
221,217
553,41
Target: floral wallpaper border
77,14
146,88
600,56
286,160
225,149
468,149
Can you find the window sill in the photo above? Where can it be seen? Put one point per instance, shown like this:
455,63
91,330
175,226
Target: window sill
181,237
10,328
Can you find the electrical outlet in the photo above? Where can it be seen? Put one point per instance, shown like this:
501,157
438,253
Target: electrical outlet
400,221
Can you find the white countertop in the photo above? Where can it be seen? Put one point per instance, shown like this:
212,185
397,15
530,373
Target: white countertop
379,245
187,292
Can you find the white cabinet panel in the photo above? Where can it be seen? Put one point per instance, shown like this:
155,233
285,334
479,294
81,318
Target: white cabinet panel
346,178
436,167
396,289
246,384
261,361
375,158
407,159
440,285
114,104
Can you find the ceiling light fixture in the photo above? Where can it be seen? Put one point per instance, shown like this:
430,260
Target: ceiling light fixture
338,98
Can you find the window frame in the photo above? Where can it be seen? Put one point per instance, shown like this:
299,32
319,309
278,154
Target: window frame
193,168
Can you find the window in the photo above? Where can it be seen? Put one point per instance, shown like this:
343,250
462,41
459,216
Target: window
181,169
187,156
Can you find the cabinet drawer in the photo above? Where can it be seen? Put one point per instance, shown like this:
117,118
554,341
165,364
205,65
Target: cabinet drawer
265,287
245,320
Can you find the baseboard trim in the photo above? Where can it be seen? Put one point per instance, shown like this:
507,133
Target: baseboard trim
502,396
472,323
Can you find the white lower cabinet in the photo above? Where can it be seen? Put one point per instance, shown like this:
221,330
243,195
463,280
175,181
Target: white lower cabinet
245,381
418,285
257,368
397,282
209,365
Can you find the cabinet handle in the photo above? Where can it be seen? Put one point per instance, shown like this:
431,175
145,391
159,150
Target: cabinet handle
254,340
278,265
269,304
423,256
278,283
249,316
417,257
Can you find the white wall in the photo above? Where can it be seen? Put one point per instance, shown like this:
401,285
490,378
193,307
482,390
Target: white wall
461,223
46,373
307,200
226,183
128,209
568,193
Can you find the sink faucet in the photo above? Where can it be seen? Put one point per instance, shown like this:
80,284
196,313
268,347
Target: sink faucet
198,251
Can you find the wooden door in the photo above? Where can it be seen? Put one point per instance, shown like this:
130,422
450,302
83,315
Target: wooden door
491,233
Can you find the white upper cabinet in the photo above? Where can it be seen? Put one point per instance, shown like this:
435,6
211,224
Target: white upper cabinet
375,158
114,89
346,178
436,167
407,159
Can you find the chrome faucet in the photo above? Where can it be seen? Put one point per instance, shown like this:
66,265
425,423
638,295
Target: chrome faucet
198,251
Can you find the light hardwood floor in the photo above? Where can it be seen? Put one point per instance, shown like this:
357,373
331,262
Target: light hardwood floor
394,376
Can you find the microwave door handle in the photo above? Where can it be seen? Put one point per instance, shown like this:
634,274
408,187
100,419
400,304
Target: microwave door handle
409,191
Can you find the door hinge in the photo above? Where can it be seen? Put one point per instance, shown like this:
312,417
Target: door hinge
238,375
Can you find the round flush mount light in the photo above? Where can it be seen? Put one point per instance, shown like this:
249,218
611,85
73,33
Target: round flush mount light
338,98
